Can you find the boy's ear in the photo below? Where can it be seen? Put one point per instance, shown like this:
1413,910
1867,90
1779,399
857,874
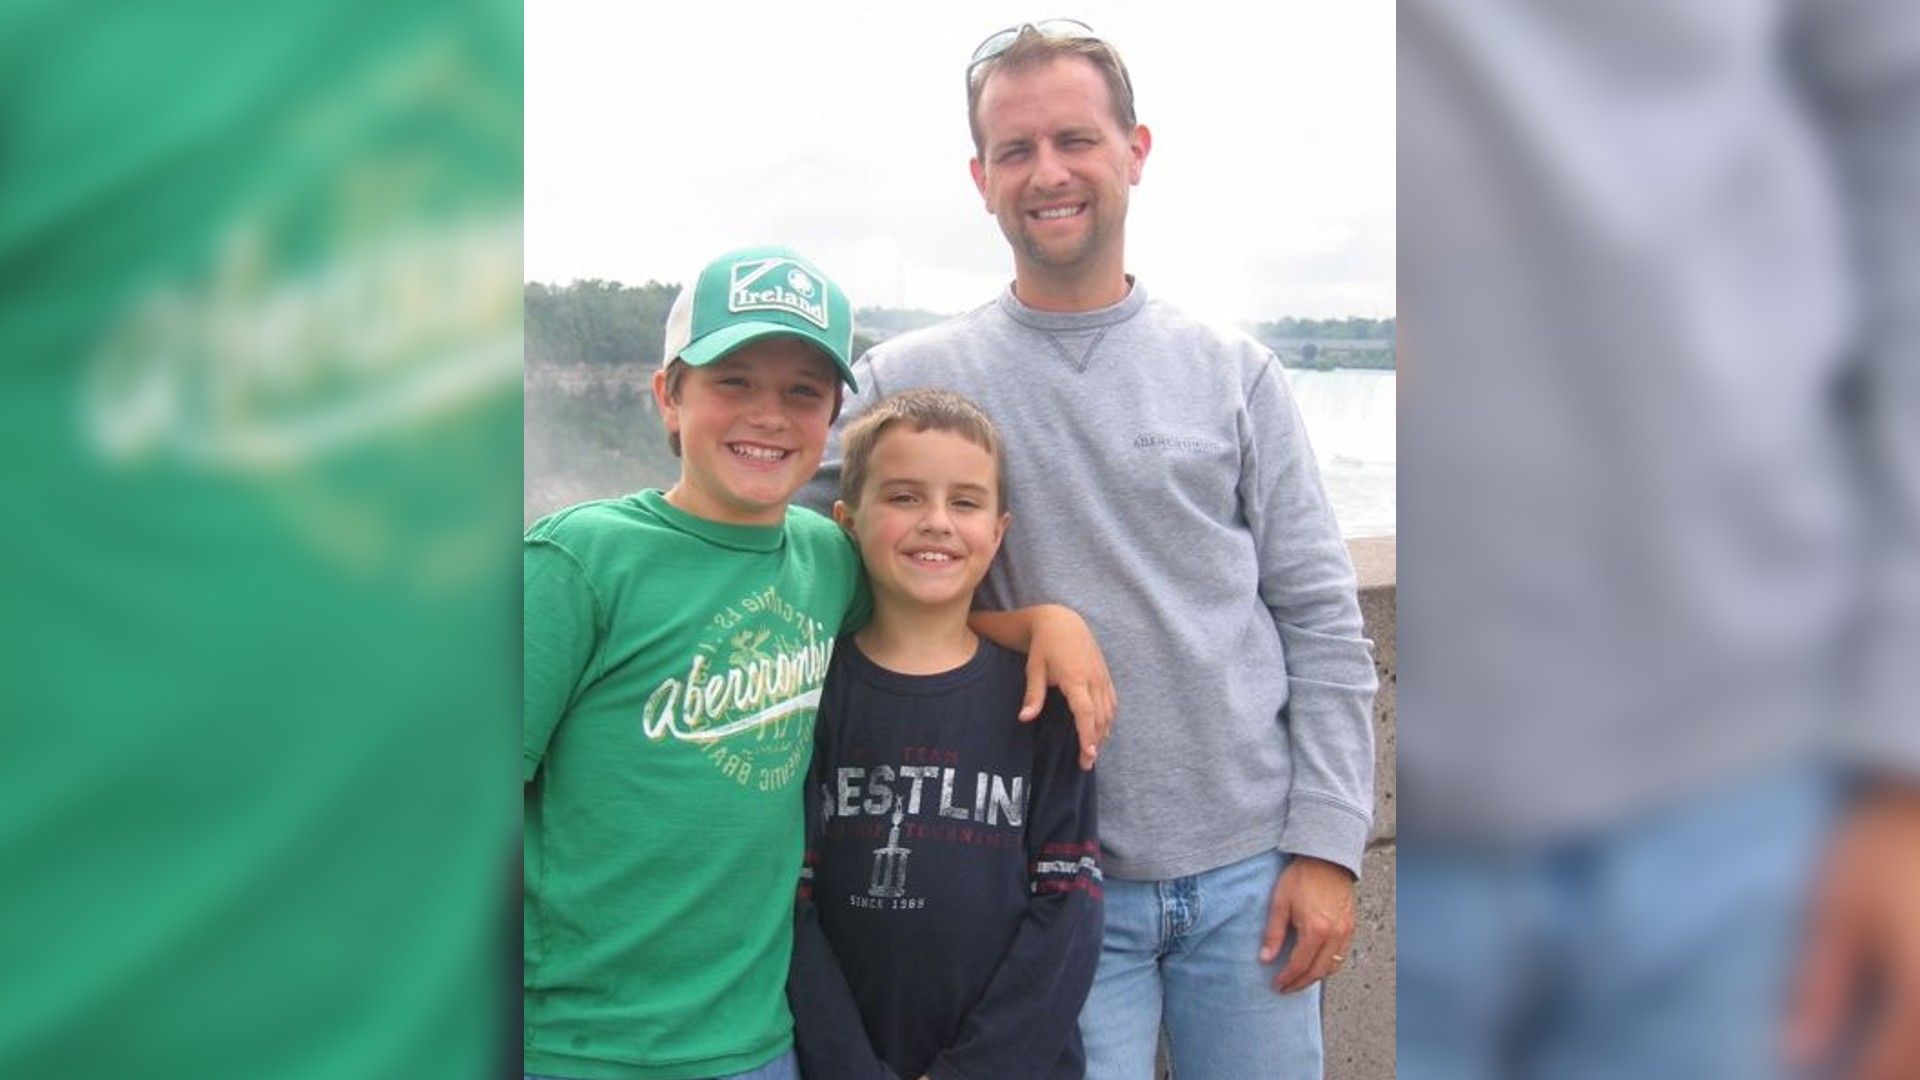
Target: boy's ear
1000,529
842,516
669,410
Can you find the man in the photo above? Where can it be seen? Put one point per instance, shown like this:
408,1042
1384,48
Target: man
1658,268
1165,488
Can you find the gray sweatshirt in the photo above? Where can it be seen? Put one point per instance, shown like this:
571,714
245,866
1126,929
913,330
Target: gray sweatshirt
1660,479
1161,485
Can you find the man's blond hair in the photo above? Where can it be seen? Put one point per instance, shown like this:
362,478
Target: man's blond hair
1033,49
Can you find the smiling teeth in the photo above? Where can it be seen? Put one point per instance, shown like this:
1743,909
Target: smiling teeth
759,453
1057,212
933,556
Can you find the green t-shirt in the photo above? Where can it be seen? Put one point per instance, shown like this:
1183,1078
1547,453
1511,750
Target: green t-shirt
672,670
260,418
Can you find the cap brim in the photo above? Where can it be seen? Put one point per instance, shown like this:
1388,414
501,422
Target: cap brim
728,338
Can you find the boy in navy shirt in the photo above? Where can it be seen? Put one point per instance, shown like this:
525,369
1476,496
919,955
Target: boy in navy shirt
949,917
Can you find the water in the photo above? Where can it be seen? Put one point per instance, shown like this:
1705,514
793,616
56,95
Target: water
1350,419
607,443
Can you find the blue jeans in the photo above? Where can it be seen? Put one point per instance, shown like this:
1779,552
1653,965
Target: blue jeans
784,1067
1186,953
1660,949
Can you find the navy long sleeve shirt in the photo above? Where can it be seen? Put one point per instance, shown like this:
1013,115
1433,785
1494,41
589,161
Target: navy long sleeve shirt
949,916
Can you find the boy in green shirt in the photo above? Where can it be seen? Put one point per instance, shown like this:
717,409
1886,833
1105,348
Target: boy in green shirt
674,648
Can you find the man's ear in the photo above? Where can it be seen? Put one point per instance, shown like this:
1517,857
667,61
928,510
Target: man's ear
842,516
669,409
980,180
1138,144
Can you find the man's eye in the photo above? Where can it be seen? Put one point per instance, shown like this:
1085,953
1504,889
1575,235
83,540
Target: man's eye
733,380
808,392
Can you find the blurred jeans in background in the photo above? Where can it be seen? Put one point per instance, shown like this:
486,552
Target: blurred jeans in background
1659,512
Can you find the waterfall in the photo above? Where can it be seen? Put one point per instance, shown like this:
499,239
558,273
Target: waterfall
1350,417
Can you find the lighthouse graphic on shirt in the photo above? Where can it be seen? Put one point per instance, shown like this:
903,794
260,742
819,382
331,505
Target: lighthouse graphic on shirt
890,863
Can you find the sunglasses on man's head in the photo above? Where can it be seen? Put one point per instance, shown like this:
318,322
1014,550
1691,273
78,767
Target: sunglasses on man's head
1001,40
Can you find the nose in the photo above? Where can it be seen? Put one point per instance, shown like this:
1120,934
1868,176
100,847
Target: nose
1049,167
935,521
764,410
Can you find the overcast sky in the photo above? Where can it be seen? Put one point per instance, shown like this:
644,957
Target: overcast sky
658,135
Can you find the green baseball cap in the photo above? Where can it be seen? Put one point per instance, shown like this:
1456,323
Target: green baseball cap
759,292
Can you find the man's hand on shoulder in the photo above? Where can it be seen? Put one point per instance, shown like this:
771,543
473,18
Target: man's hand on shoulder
1313,898
1063,653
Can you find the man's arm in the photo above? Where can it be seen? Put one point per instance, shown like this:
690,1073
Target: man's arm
1031,1005
1307,583
560,618
1062,652
1860,60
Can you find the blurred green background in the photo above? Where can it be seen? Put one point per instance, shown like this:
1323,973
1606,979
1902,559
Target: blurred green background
259,630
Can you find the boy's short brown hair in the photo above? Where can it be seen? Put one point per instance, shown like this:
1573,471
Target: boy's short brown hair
923,409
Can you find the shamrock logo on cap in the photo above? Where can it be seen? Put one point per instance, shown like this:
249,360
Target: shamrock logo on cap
801,283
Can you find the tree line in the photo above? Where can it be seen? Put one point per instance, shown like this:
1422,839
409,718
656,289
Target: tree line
1352,328
597,322
607,323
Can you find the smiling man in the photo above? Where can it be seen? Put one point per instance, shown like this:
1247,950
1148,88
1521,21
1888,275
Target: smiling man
1169,495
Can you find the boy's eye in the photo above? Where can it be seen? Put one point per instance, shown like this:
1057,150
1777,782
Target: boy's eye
900,498
807,391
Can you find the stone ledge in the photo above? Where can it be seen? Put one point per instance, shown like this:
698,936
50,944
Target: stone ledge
1358,1013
